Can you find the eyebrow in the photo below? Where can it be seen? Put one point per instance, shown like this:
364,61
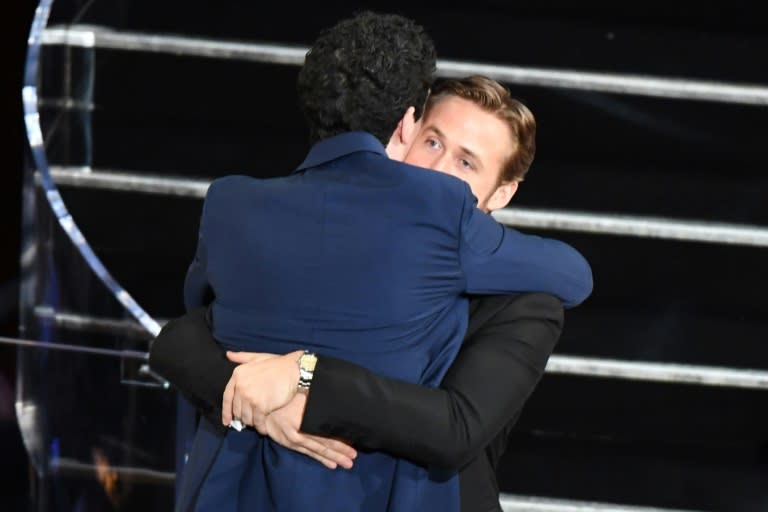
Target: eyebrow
465,150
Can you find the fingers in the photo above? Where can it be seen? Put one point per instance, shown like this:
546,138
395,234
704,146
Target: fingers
336,446
245,414
258,388
260,424
226,403
247,357
283,428
322,460
323,450
237,408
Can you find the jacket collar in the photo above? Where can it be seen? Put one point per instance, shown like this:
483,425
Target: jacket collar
339,146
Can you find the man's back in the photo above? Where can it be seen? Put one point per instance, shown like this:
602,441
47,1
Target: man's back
356,258
348,247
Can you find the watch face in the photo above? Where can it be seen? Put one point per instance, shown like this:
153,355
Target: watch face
307,362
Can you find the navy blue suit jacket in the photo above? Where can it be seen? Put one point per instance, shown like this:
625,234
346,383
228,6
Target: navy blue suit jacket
363,258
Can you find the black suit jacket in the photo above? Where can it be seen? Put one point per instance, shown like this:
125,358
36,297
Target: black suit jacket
464,424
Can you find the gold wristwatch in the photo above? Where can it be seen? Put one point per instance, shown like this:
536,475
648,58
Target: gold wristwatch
307,362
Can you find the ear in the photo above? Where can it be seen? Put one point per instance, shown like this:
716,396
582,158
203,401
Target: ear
502,195
403,136
408,127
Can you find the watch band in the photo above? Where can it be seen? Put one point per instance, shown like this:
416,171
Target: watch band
307,362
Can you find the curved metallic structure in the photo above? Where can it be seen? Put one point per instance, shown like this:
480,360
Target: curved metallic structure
79,400
35,135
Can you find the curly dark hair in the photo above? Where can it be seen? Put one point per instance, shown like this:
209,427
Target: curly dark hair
363,73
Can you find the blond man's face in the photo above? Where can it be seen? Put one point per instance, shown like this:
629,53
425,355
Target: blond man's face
459,138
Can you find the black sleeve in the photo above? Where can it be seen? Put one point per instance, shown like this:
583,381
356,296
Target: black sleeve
494,373
187,355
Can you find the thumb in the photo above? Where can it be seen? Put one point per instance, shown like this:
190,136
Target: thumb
248,357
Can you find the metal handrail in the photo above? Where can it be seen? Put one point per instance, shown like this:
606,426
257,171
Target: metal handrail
88,36
515,503
596,367
562,220
82,349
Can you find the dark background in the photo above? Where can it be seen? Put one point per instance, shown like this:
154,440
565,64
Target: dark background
579,438
13,465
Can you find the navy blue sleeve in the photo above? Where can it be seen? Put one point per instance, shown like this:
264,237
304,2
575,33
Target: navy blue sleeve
197,290
499,260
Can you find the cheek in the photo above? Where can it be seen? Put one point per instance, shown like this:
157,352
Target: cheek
477,189
481,188
417,156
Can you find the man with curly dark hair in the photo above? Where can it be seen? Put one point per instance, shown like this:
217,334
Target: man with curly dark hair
355,255
363,74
